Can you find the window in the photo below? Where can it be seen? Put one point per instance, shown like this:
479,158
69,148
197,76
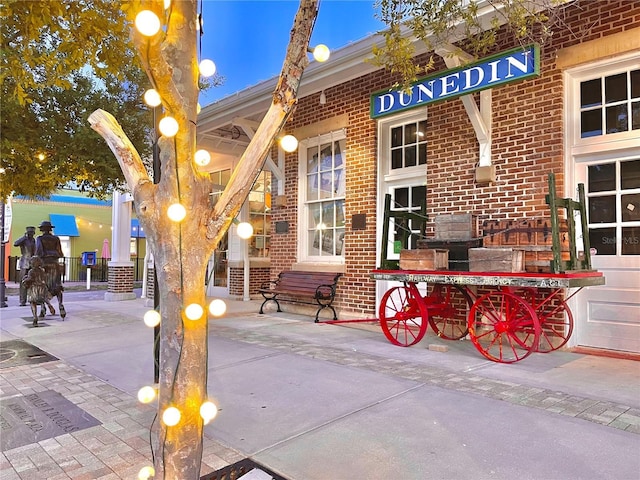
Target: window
613,198
322,190
409,145
610,104
407,199
260,216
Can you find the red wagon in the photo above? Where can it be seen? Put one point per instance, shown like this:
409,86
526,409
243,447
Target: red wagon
507,316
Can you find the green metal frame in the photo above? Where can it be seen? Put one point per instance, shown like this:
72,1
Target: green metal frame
575,262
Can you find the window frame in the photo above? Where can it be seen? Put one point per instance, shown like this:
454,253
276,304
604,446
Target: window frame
303,202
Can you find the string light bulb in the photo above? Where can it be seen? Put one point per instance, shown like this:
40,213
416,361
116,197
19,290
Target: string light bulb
147,23
146,473
321,53
151,318
217,307
171,416
207,68
168,126
176,212
194,311
245,230
208,411
289,143
202,157
152,98
146,394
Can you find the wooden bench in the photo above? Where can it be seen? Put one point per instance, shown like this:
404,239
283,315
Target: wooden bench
295,286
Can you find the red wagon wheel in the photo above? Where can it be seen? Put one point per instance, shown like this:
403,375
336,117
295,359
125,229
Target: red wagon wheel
503,327
448,307
403,315
555,317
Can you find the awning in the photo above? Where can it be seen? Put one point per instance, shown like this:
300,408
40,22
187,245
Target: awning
65,225
136,230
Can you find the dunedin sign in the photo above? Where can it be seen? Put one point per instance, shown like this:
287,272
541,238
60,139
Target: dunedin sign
505,67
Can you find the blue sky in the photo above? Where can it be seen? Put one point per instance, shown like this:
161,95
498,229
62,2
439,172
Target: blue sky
247,39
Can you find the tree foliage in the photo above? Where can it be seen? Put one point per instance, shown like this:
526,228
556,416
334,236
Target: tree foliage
60,61
471,25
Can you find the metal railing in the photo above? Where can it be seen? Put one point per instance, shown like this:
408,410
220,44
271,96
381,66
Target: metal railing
74,271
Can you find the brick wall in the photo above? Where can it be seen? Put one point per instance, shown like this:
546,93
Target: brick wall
527,145
121,279
257,277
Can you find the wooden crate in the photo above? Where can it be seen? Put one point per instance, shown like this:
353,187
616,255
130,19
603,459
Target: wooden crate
462,226
424,259
496,260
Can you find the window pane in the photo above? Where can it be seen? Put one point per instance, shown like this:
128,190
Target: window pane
590,123
401,199
602,178
339,185
422,130
617,119
312,160
314,215
312,187
419,195
630,207
339,148
410,156
326,185
603,240
396,136
602,209
635,116
326,156
328,246
340,216
314,242
615,88
339,241
631,241
328,215
396,158
635,84
590,94
422,154
630,174
410,133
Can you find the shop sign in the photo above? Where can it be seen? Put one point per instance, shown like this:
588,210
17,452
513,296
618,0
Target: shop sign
505,67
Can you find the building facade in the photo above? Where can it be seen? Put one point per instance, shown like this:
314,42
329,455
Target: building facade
577,117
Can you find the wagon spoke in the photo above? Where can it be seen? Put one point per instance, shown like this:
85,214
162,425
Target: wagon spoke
503,327
403,316
447,306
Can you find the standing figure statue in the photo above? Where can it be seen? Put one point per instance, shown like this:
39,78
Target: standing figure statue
35,282
49,249
27,244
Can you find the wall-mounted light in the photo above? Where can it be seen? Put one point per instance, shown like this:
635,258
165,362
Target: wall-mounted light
323,98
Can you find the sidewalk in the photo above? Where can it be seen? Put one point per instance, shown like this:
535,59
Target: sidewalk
317,401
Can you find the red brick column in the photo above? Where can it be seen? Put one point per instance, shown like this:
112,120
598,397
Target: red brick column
121,276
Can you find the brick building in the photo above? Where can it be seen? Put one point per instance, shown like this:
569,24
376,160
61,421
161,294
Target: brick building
578,117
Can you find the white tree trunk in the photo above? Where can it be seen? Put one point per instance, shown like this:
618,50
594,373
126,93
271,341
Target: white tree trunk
181,250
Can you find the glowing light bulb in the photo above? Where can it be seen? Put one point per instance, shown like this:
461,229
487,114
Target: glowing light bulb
245,230
147,23
321,53
168,126
194,311
176,212
167,4
207,68
208,411
146,472
152,97
289,143
202,157
171,416
151,318
146,394
217,307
